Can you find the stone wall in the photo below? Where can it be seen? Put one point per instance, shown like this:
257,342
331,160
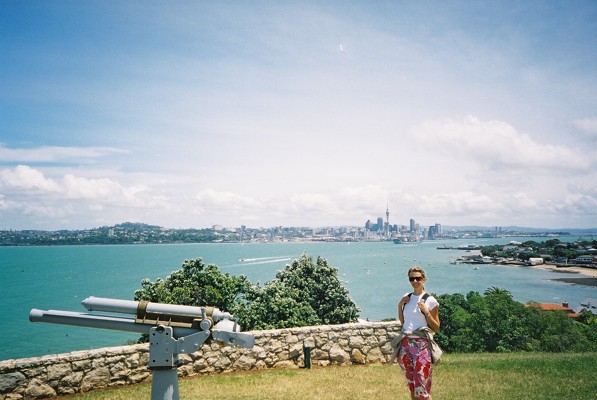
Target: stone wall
82,371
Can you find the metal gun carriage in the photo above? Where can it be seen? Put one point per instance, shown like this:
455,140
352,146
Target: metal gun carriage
173,329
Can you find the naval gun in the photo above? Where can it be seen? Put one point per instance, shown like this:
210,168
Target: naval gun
173,330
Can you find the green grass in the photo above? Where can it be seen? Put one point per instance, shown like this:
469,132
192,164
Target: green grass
484,376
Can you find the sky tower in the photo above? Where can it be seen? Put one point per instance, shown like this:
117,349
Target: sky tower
387,221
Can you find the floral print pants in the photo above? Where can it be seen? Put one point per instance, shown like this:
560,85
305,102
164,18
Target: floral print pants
415,360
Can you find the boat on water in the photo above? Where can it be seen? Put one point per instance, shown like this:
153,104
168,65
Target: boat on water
466,247
405,240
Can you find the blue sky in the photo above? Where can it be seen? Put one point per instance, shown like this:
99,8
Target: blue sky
267,113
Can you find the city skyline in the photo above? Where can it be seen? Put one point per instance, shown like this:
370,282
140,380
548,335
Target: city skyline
298,114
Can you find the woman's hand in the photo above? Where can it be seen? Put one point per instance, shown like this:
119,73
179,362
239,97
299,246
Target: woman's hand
423,308
403,301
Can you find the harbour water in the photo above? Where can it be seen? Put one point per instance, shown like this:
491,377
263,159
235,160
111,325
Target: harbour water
60,277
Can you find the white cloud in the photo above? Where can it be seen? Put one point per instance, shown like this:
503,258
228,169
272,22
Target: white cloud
105,190
587,125
24,178
29,189
309,203
579,200
497,145
210,200
457,203
300,209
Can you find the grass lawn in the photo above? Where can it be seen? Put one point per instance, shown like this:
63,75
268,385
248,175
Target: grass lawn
483,376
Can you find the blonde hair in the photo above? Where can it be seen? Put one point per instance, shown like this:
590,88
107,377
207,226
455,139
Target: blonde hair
417,269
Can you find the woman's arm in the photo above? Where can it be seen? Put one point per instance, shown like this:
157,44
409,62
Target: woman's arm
432,317
401,305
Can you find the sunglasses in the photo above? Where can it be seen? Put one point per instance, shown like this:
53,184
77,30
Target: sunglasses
415,278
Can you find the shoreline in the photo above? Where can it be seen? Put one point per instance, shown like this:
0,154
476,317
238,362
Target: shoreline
588,276
579,275
589,272
582,275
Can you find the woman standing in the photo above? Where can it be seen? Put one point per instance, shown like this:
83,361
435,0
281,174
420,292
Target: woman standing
417,312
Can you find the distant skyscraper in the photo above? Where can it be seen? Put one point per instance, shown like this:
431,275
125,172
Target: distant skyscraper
413,225
387,221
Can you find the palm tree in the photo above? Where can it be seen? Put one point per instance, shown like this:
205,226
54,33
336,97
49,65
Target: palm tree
496,291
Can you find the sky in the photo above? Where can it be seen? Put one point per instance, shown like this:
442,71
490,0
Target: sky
189,114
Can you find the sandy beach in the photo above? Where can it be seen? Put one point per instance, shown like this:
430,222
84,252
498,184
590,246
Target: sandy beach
578,275
590,272
570,274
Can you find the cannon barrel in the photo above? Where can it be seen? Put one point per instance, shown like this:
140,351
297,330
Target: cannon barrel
184,320
97,321
141,308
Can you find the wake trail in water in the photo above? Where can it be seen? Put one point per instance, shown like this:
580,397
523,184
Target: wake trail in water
261,260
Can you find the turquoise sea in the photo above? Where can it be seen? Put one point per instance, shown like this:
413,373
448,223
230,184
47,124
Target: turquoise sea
60,277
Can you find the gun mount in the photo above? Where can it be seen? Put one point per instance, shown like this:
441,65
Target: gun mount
173,329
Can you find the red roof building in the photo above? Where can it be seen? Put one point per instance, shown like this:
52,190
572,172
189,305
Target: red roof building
555,307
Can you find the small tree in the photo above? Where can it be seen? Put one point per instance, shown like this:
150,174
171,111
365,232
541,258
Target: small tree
197,285
319,286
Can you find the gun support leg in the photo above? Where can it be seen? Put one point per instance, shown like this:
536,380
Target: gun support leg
164,385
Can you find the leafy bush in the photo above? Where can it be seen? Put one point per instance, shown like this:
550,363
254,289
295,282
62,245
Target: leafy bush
494,322
303,294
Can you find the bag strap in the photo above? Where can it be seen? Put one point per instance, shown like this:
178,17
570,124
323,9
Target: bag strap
424,298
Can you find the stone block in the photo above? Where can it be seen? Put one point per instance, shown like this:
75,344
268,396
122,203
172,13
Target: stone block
357,357
375,356
58,371
10,381
81,365
338,355
73,380
285,364
96,378
356,342
244,363
38,389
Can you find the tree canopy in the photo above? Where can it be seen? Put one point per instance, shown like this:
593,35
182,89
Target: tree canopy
305,293
494,322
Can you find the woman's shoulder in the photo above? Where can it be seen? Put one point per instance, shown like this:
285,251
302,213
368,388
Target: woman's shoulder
432,300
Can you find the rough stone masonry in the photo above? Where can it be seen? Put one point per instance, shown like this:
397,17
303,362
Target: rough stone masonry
82,371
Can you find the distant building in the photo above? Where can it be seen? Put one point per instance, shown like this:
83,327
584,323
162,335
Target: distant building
432,232
555,307
535,261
